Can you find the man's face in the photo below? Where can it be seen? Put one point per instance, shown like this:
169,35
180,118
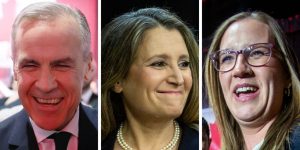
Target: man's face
50,70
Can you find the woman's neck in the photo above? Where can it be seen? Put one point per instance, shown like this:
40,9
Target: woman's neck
254,135
148,135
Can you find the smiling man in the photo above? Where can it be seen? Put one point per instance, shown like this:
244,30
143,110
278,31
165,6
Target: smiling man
51,55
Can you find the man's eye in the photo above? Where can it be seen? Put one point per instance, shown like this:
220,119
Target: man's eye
62,67
28,66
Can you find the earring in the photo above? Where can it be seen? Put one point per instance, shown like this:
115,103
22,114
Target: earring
118,88
287,91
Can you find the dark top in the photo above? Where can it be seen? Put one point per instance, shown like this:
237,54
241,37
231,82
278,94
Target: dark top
294,138
189,139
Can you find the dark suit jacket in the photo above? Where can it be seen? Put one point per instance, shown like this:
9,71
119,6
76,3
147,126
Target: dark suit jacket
93,101
189,139
16,132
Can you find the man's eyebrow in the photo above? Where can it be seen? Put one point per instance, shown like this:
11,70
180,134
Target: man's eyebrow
67,60
26,61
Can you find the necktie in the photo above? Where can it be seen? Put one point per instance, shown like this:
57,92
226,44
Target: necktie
61,140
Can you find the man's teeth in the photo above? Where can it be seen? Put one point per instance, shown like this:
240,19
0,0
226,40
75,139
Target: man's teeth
48,101
245,89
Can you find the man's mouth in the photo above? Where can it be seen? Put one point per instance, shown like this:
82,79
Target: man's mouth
48,101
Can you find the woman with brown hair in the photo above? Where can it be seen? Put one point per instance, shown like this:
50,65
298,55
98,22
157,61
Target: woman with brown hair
149,82
253,84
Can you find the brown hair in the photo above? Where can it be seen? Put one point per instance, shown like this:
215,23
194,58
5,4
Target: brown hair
120,41
277,135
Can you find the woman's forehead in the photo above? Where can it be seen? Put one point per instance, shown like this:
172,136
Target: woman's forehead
245,32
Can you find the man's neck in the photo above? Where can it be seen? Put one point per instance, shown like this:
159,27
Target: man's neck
71,127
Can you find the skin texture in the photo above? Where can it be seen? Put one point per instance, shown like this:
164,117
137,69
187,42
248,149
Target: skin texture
50,68
259,108
160,78
156,89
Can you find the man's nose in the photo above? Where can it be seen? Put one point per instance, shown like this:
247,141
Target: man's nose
46,81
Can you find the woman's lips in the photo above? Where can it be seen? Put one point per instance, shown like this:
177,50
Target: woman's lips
245,92
169,92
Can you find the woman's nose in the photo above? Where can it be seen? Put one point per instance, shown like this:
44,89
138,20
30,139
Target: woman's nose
176,77
241,68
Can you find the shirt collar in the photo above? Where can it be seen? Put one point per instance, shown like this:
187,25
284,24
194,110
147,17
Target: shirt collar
71,127
86,95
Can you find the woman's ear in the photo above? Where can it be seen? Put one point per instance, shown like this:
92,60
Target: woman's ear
118,87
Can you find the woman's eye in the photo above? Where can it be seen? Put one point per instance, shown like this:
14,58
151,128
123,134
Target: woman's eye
184,64
158,64
257,53
225,59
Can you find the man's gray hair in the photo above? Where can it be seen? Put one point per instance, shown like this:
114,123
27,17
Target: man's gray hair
48,11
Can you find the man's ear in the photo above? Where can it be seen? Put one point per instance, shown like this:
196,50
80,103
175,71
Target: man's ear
118,87
15,73
91,68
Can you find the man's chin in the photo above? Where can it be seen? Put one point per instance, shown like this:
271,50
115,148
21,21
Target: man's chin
50,125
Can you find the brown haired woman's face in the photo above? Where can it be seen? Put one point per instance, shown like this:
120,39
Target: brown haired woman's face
253,95
159,80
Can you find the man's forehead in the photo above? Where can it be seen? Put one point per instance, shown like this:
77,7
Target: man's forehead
45,30
56,59
62,19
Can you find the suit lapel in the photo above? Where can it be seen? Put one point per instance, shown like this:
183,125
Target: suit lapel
22,131
18,138
32,142
94,101
88,133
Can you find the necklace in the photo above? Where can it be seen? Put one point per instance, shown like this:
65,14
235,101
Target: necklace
170,146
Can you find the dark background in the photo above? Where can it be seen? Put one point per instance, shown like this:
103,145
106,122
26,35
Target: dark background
214,12
187,10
